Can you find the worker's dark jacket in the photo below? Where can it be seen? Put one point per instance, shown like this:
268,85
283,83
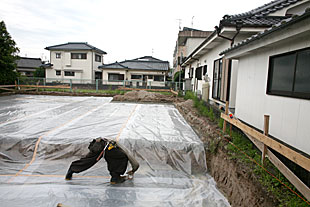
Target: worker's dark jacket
116,156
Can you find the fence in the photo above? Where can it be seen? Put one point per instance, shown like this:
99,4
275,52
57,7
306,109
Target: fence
99,84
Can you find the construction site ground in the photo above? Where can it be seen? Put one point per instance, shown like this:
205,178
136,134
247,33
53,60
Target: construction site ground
41,135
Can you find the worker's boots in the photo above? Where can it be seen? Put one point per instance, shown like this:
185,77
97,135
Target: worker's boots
116,180
69,175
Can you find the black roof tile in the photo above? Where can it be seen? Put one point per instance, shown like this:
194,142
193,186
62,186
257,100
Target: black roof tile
75,46
142,63
278,26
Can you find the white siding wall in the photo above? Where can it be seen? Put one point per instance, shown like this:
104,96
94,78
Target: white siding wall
192,44
289,117
127,75
208,59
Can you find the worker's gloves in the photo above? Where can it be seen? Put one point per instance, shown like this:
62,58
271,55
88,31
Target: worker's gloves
130,172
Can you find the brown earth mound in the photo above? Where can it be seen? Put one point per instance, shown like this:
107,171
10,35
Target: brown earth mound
144,96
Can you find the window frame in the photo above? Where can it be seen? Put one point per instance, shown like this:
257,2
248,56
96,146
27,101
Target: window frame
131,76
80,56
292,93
69,73
198,73
161,78
98,56
116,74
219,79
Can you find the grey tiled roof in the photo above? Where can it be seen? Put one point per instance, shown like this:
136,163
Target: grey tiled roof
143,63
25,62
75,46
276,27
266,8
258,16
253,21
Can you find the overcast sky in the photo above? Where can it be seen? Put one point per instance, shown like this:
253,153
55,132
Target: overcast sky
125,29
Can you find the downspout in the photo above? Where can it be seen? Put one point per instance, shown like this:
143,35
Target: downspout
232,40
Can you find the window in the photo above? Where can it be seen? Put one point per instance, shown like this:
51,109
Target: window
115,77
159,78
58,72
149,77
97,58
289,74
69,73
58,55
191,72
78,56
217,79
199,73
136,76
204,70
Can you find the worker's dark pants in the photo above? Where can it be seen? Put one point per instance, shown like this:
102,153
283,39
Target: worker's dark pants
117,162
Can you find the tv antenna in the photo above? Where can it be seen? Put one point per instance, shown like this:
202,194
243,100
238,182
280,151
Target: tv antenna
180,22
193,21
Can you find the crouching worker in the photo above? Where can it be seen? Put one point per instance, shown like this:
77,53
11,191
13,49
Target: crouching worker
116,156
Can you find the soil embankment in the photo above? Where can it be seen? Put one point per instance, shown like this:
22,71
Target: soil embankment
235,180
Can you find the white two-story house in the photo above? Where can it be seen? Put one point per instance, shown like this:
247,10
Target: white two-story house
74,61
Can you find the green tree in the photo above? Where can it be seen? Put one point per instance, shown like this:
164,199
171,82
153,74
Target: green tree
39,73
176,76
8,56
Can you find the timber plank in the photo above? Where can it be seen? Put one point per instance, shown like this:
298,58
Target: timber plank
282,149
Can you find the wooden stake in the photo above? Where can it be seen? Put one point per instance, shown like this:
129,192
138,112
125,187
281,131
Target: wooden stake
266,132
226,113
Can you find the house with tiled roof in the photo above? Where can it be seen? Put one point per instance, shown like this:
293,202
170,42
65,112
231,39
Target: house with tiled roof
232,29
143,71
27,66
274,79
75,61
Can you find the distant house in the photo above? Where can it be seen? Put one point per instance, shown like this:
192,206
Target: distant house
77,61
144,70
188,40
232,29
27,66
274,78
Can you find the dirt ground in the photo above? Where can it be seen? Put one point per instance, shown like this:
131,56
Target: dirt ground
236,181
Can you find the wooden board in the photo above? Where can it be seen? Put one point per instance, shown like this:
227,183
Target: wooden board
39,86
301,187
282,149
7,86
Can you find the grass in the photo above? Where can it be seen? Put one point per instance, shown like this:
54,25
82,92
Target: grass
284,195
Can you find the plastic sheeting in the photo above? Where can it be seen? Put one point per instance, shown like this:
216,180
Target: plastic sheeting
41,135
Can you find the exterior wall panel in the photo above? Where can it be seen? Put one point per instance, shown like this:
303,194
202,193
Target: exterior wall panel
289,117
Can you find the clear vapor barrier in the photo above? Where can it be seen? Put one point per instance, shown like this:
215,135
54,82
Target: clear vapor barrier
41,135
